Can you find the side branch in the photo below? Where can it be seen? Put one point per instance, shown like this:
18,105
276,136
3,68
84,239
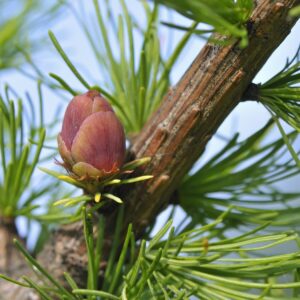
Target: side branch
191,112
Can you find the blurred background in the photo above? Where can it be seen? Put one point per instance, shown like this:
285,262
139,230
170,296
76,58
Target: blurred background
63,20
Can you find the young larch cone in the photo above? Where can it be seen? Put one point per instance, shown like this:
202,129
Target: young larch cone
92,140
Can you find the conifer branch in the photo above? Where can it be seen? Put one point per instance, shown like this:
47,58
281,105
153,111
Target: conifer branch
191,112
178,132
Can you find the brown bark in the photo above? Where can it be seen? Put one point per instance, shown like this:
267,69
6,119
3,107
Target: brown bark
12,263
189,115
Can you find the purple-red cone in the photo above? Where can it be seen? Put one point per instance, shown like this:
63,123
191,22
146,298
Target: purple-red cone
92,139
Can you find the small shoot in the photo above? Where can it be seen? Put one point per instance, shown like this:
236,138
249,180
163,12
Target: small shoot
225,17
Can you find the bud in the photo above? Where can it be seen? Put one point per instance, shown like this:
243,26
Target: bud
92,139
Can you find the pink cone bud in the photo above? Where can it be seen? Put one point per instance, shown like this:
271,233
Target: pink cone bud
92,139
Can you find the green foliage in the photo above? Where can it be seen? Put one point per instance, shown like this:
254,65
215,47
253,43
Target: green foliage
94,190
244,174
17,19
22,136
201,262
134,81
227,17
281,93
295,11
18,157
95,193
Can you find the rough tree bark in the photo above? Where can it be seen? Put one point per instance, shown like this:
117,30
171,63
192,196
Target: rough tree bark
193,110
179,130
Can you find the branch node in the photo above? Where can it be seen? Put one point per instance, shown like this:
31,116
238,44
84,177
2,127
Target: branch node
251,93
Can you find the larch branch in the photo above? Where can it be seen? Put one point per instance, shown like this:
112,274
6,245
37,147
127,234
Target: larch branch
193,110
